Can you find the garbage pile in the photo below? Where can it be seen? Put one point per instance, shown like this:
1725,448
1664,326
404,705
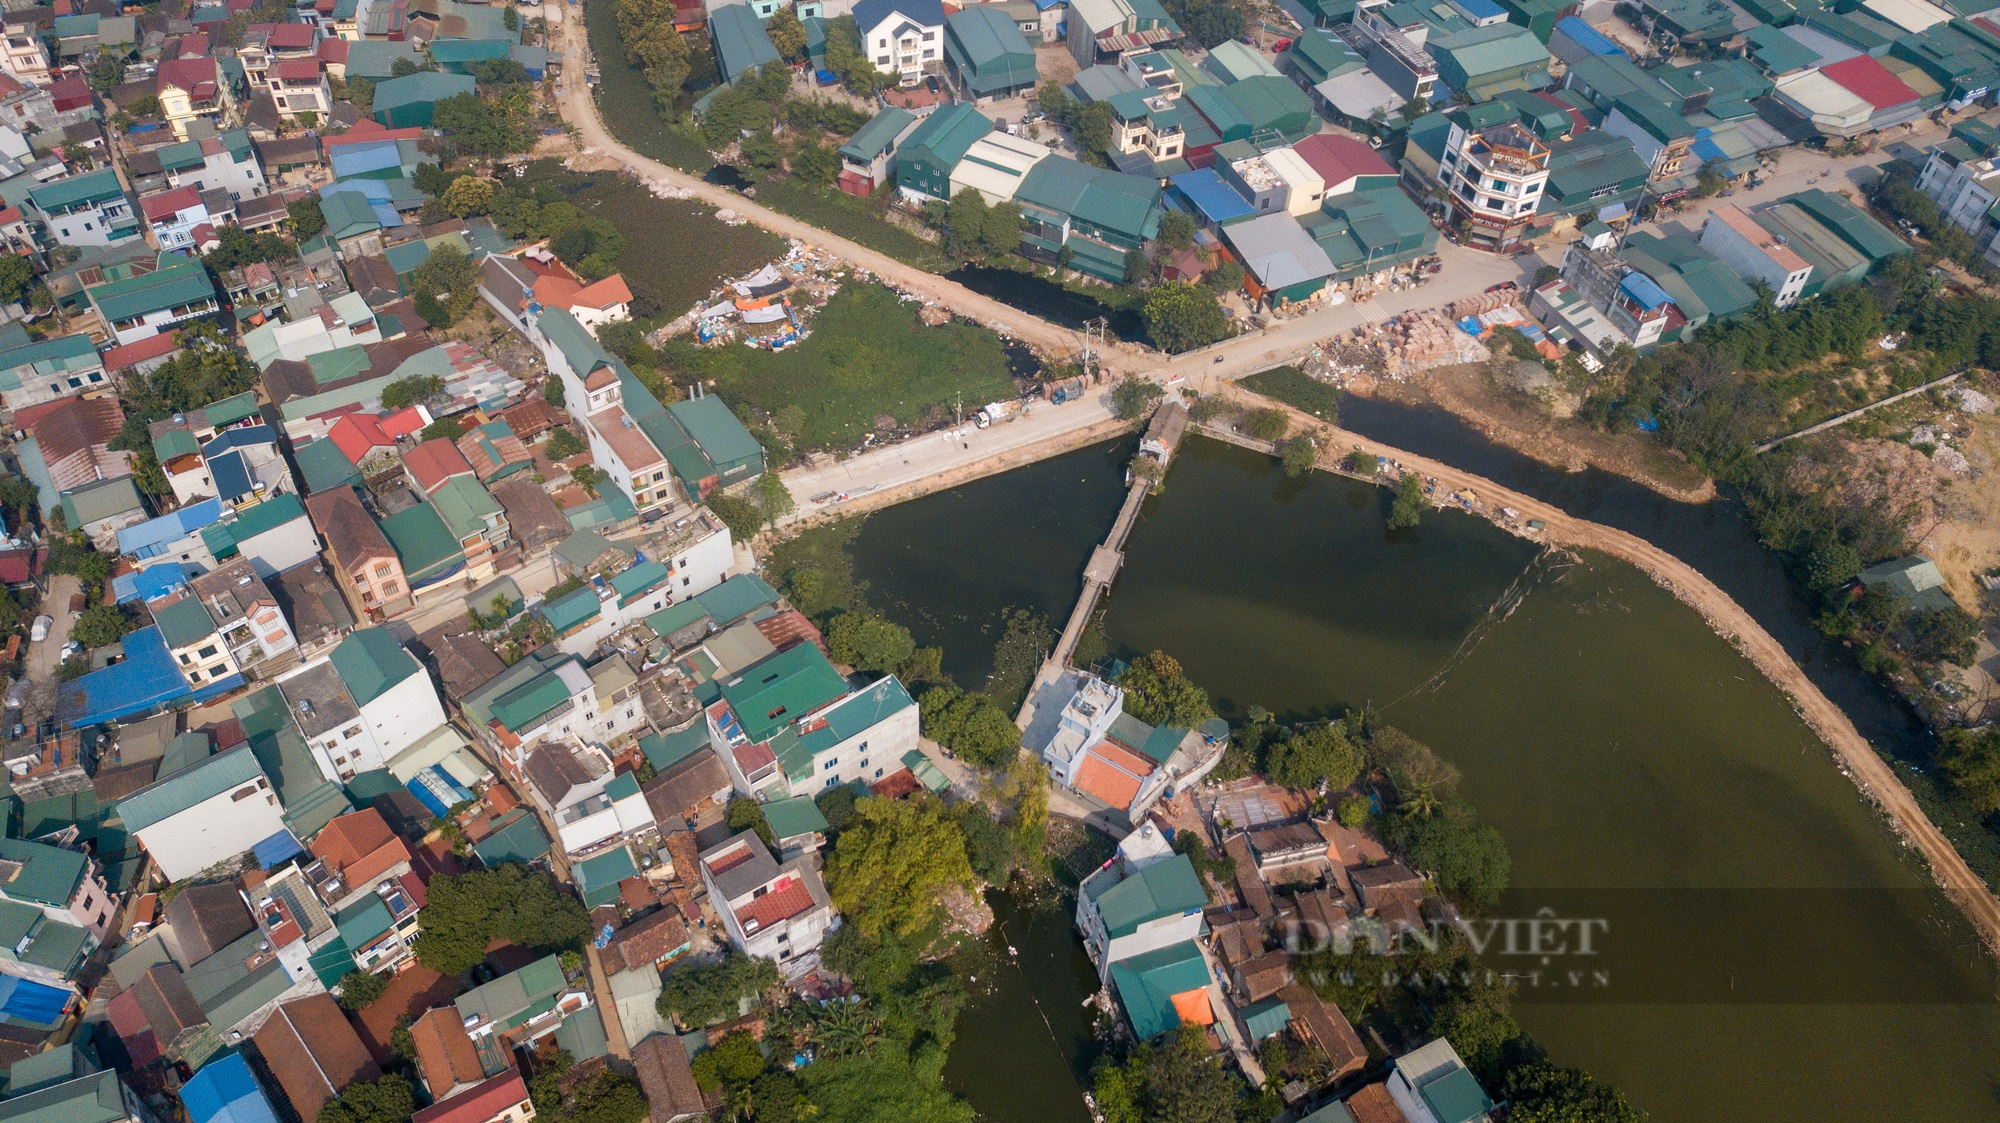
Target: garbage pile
769,308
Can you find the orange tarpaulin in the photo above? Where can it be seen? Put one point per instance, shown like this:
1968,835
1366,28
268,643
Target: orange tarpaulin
1193,1007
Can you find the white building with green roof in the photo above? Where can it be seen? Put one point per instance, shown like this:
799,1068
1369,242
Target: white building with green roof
1432,1085
98,1098
91,209
1140,901
43,370
212,811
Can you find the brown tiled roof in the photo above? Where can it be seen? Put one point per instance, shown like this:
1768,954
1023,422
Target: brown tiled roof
1373,1104
680,789
114,783
445,1054
667,1078
1249,883
285,381
510,448
76,424
533,517
463,661
435,461
555,769
350,532
1328,1028
1265,975
532,418
169,1006
649,939
206,919
314,1052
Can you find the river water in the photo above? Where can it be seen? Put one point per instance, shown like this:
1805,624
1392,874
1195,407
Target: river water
1637,766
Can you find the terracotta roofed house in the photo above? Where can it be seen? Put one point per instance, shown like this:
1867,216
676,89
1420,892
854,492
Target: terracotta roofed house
446,1057
74,436
314,1052
370,572
204,919
435,463
361,850
668,1079
502,1099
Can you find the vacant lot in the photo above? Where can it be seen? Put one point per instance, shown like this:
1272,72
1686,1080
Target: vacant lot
1298,389
673,247
868,355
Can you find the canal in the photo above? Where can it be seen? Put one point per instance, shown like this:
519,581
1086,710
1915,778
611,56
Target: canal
1637,766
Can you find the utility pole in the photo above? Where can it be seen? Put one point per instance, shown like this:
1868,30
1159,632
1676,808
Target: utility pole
958,412
1100,325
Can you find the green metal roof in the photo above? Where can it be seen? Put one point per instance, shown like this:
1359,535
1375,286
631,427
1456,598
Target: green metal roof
364,922
269,515
521,839
464,504
99,500
1267,1018
421,87
927,773
1455,1097
736,598
504,1000
98,1098
782,688
518,708
675,617
177,282
792,817
581,1034
1163,889
586,546
664,750
1127,205
1852,224
597,878
989,50
1147,983
184,622
638,581
64,354
49,875
741,43
347,213
166,798
325,467
723,439
572,609
370,662
879,133
77,190
175,443
946,134
421,540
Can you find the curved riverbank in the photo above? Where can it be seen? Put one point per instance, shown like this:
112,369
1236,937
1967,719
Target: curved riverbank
1870,773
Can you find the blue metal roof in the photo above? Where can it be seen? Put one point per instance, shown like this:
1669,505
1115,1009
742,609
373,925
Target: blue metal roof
1585,36
232,475
1479,9
243,437
1211,195
149,584
224,1091
147,538
1644,291
369,156
146,678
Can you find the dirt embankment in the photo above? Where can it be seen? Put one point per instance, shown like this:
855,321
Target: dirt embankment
1472,393
1852,751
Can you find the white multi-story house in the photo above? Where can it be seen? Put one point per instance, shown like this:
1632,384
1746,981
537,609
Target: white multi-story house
593,807
1432,1085
255,634
1755,253
1093,746
213,811
26,59
367,701
174,215
777,912
86,210
1494,178
299,87
1145,898
227,162
902,37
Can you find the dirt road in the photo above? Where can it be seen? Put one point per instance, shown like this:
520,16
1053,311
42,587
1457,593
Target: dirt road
1871,774
43,658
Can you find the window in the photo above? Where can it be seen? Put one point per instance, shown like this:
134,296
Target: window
206,652
351,732
878,774
184,659
658,476
833,762
863,764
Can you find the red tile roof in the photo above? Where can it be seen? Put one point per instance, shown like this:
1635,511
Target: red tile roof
151,347
1338,159
788,899
189,74
333,51
478,1103
291,36
405,422
561,292
1870,81
358,434
297,69
434,462
1104,781
169,203
360,847
366,129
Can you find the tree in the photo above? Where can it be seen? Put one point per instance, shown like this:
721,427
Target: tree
390,1099
1158,692
1407,508
1544,1093
589,477
1353,812
646,27
1319,754
748,815
814,164
730,1063
552,391
987,847
305,216
773,496
1025,786
743,518
700,994
411,390
965,225
1268,424
468,911
837,805
1227,276
1298,455
788,35
107,72
470,195
478,127
1176,231
17,278
1945,635
880,1087
451,277
1054,100
359,988
1091,130
1971,760
1182,315
1135,397
846,58
890,869
236,248
1464,855
101,626
562,443
971,725
868,643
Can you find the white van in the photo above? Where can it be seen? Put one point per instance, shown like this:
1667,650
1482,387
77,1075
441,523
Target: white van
41,631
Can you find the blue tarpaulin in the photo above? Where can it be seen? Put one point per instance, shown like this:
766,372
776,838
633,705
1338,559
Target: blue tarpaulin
276,849
35,1003
1643,291
437,791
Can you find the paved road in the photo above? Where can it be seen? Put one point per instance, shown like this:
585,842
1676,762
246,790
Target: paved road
43,658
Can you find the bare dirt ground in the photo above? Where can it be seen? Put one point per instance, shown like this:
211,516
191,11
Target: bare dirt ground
1856,757
1471,393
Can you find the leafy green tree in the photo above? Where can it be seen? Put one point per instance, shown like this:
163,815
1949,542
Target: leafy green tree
1945,635
1182,315
882,1086
562,442
1135,397
451,277
466,912
775,498
552,391
411,390
306,218
1267,424
743,518
1544,1093
1971,760
1227,276
646,27
510,19
236,248
837,805
748,815
814,164
1320,753
101,626
1353,812
972,726
890,869
106,72
703,993
470,195
1176,231
1483,1033
590,478
390,1099
987,846
1158,692
359,988
1091,129
788,35
1025,787
1298,455
1407,508
478,127
732,1062
849,61
17,278
1464,855
868,643
965,225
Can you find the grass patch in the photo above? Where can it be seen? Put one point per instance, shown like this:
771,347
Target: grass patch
1296,388
673,247
868,355
625,99
857,220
